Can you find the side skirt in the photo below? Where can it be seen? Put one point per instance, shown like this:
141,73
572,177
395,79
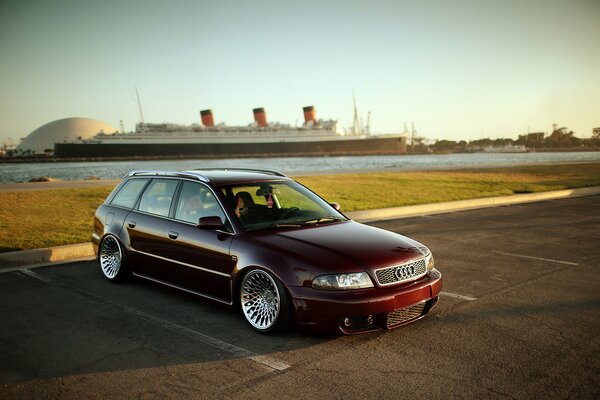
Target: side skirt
184,289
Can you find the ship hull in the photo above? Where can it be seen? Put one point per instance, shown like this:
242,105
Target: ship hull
367,146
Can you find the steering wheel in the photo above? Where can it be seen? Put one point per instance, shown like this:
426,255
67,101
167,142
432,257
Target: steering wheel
288,211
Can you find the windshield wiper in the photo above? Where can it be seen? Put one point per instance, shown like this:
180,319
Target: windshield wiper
287,225
311,222
274,226
322,220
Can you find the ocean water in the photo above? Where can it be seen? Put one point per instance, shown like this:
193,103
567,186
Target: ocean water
10,173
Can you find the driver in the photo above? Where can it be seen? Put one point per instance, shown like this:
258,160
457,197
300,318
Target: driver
243,203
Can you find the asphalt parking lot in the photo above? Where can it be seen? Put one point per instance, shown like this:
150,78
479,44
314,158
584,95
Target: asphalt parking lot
519,318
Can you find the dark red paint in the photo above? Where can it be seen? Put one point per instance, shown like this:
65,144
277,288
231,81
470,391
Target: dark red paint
214,260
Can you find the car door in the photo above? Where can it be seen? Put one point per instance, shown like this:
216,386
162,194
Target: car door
146,228
200,259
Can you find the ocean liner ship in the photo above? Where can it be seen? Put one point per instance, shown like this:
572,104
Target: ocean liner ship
316,137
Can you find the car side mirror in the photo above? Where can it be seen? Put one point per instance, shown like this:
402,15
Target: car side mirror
211,223
336,206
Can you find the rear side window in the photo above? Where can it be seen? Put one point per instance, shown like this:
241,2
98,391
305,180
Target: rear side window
129,193
157,197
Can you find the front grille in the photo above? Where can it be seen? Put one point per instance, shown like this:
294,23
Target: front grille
401,273
406,314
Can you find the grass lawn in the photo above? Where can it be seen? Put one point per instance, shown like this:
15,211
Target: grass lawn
47,218
391,189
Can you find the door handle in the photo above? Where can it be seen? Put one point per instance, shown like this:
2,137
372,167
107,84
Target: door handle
173,235
132,224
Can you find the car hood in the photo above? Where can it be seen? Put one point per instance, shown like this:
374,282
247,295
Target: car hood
345,246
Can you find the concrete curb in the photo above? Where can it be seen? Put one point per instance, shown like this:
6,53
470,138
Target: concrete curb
40,257
462,205
76,252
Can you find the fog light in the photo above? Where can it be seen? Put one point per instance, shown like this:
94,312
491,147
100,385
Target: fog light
357,323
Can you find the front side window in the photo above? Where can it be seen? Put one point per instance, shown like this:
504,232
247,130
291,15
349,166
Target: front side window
157,197
129,193
278,204
197,201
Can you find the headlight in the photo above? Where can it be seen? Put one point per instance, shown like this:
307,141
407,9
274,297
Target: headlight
357,280
428,258
429,262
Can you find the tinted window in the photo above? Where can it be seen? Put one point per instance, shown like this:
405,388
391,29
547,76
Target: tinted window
129,193
197,201
157,197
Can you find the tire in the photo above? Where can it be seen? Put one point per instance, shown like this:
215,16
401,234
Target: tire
112,259
264,302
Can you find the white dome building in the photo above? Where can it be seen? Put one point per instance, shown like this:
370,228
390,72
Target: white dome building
62,130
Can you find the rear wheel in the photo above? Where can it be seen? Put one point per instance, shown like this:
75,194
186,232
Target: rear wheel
112,259
264,302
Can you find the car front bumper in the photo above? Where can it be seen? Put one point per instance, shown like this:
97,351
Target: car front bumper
363,310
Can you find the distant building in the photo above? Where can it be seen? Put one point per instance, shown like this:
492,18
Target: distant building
42,139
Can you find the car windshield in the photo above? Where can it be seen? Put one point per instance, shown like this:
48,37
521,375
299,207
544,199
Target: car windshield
267,205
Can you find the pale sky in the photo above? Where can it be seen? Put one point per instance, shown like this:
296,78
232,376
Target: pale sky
458,69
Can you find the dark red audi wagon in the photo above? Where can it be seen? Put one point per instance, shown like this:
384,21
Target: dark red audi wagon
260,241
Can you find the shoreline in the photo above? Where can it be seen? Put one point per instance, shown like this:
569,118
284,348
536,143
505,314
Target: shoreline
50,159
89,183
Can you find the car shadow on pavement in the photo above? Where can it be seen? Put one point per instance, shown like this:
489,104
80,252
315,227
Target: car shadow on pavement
67,320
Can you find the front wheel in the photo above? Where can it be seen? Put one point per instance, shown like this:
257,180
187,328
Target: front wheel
112,259
264,302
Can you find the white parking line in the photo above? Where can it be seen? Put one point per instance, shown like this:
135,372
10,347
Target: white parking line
36,276
535,258
458,296
265,361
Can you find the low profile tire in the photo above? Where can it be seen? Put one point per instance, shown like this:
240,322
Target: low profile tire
264,302
112,259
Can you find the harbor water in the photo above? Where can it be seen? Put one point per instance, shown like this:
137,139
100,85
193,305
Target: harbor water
23,172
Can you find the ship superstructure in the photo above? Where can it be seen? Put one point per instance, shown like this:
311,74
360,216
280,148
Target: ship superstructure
260,138
207,132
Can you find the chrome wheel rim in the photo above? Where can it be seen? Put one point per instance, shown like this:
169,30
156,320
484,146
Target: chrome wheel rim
110,257
260,299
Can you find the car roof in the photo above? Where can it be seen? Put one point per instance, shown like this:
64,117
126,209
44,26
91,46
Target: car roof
218,176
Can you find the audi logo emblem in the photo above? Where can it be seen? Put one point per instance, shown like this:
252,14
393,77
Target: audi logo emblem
404,272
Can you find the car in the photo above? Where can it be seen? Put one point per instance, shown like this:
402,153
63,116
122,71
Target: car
262,242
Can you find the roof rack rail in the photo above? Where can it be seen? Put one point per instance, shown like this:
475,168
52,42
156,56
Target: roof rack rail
132,173
198,177
263,171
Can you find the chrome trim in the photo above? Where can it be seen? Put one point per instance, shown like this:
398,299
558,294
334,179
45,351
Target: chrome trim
392,270
181,288
182,263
